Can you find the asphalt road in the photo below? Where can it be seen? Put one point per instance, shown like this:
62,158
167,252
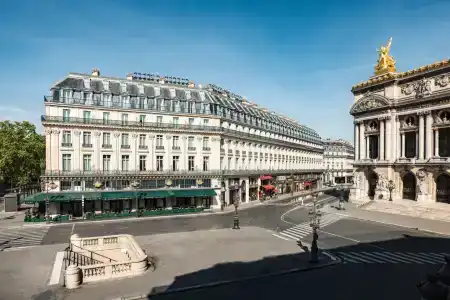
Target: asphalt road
266,216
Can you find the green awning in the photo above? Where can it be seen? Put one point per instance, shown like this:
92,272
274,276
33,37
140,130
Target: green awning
193,193
118,195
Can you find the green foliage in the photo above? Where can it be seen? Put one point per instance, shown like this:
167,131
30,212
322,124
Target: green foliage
22,152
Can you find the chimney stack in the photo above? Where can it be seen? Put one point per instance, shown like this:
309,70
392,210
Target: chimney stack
129,76
95,72
191,84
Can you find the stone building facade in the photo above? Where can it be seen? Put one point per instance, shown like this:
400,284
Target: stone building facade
402,135
338,159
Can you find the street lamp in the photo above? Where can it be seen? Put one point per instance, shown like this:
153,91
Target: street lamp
222,196
50,186
236,205
315,215
391,187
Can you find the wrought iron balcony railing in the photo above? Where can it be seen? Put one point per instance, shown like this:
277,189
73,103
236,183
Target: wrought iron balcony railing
168,173
159,126
66,144
107,146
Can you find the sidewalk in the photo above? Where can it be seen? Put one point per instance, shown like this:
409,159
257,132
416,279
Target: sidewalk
352,211
202,258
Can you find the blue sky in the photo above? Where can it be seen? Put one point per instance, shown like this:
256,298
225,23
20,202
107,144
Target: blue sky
298,58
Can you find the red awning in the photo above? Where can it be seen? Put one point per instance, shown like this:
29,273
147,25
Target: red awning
265,177
269,187
307,183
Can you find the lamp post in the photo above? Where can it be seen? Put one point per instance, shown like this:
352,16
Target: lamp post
50,186
222,195
236,215
391,187
315,215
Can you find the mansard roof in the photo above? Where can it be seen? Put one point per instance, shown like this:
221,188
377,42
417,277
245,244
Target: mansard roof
183,91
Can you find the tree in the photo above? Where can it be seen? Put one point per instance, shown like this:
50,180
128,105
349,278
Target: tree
22,152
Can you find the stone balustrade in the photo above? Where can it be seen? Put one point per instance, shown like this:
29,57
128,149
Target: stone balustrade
120,254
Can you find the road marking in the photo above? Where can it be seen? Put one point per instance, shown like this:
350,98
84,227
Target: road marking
332,257
298,207
57,268
384,257
280,237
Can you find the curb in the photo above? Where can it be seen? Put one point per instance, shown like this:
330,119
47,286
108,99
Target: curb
232,281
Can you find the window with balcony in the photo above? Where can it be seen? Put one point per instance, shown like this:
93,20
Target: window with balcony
191,121
66,162
229,163
191,143
176,122
125,162
191,163
142,120
66,115
124,119
106,162
410,144
66,139
205,163
125,141
106,118
176,142
159,163
159,142
175,163
106,143
159,120
87,142
206,144
142,163
87,117
205,122
142,141
87,162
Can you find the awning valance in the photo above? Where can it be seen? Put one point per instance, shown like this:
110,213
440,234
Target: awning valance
269,187
266,177
194,193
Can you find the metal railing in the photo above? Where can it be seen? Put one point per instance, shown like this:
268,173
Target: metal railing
179,173
76,258
138,104
159,126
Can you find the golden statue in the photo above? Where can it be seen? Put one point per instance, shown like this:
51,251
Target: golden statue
386,63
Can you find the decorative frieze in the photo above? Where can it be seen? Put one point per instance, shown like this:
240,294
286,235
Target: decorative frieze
441,81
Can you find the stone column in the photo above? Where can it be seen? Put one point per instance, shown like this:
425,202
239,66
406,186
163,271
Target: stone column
417,144
429,135
403,145
356,140
361,142
367,147
388,145
436,142
421,137
381,152
398,138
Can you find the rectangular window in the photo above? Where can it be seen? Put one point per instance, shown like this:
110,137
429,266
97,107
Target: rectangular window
206,143
67,138
86,116
106,139
191,121
175,163
229,163
142,141
175,143
67,162
191,163
176,122
87,139
190,107
159,141
142,163
125,162
124,119
66,115
191,143
125,140
236,165
205,163
106,118
87,160
106,162
159,163
142,119
159,120
205,122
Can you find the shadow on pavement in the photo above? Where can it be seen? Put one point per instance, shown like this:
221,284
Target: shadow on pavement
379,270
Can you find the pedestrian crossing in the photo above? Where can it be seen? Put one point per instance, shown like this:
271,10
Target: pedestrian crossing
383,257
299,232
21,237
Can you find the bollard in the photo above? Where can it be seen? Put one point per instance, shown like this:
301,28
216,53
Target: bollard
73,277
